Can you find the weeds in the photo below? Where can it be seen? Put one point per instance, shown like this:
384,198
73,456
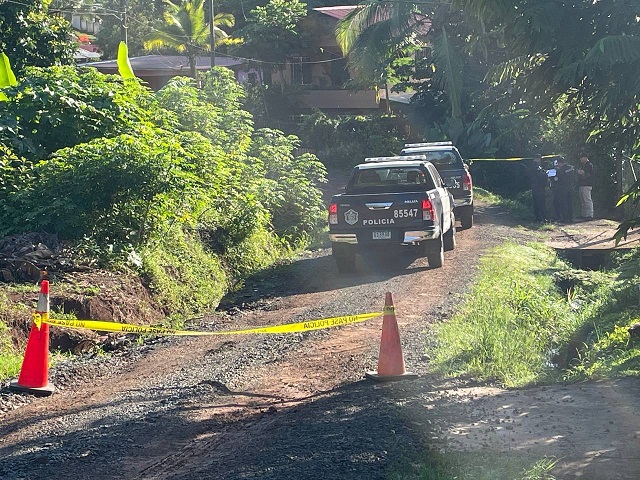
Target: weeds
10,354
511,321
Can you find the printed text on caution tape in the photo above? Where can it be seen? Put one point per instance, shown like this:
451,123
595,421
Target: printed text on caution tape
104,326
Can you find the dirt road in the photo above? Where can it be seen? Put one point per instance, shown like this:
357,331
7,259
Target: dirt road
298,407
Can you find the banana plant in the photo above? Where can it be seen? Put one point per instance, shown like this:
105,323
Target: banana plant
124,66
7,77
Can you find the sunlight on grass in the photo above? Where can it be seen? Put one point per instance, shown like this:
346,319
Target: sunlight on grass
511,320
10,354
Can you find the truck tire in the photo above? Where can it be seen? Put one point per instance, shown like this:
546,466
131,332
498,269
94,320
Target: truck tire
449,239
435,252
466,217
345,257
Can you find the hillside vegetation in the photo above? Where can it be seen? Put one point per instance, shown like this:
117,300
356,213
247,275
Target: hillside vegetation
176,186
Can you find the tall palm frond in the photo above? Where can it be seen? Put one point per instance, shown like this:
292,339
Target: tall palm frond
448,71
514,67
373,33
614,49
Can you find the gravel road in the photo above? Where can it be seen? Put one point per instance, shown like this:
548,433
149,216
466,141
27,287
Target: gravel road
288,406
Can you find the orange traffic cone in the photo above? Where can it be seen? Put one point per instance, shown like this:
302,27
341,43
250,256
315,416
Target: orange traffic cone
34,373
390,361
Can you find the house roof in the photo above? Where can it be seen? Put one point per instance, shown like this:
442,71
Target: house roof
171,63
81,54
338,12
421,23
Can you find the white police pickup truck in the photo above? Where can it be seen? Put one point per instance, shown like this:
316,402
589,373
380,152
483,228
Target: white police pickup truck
389,202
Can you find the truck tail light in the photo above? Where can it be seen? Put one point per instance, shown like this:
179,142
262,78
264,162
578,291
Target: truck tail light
466,181
428,212
333,214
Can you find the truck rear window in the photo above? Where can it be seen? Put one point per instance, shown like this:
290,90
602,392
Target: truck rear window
390,179
440,159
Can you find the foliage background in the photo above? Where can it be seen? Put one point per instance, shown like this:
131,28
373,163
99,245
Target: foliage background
153,181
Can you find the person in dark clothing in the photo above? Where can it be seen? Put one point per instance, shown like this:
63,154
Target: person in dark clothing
585,184
565,185
553,181
539,183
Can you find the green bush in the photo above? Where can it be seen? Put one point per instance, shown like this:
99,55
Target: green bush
290,191
179,179
184,278
56,107
213,110
121,190
344,141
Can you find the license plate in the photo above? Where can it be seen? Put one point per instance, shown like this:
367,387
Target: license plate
382,235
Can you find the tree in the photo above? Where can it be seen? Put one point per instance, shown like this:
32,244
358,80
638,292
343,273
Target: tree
30,37
138,17
56,107
270,34
187,31
450,102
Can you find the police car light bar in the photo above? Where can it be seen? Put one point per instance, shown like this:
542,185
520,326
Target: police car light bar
403,158
428,144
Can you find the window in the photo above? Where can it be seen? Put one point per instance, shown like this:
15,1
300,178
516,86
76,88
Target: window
390,179
300,71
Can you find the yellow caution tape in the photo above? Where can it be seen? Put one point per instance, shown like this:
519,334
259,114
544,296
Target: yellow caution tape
104,326
510,159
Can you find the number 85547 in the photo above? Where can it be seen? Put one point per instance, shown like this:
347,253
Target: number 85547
405,213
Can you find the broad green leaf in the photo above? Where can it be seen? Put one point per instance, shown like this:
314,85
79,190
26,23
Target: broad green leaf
7,78
124,66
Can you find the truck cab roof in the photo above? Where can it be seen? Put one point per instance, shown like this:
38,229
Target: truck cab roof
397,161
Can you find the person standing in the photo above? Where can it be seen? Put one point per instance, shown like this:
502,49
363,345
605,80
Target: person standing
564,189
585,185
539,182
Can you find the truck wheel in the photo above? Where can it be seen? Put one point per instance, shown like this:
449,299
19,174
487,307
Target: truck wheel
449,239
344,256
435,252
466,217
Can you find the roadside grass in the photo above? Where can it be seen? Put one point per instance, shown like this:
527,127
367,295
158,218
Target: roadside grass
531,318
610,344
518,207
475,466
10,357
512,321
10,354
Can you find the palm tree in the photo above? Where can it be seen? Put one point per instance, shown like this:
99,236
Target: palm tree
187,31
376,32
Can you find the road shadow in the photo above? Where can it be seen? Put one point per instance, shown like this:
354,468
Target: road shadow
318,273
356,431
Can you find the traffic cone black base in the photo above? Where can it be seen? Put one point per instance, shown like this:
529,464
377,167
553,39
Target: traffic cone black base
45,391
390,378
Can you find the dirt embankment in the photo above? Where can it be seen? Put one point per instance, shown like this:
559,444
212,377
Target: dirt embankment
297,406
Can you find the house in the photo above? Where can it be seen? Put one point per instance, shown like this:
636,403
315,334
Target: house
321,71
157,70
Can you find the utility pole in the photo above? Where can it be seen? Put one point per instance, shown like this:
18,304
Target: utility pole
213,37
123,19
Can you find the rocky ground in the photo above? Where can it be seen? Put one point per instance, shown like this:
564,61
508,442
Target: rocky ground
297,406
